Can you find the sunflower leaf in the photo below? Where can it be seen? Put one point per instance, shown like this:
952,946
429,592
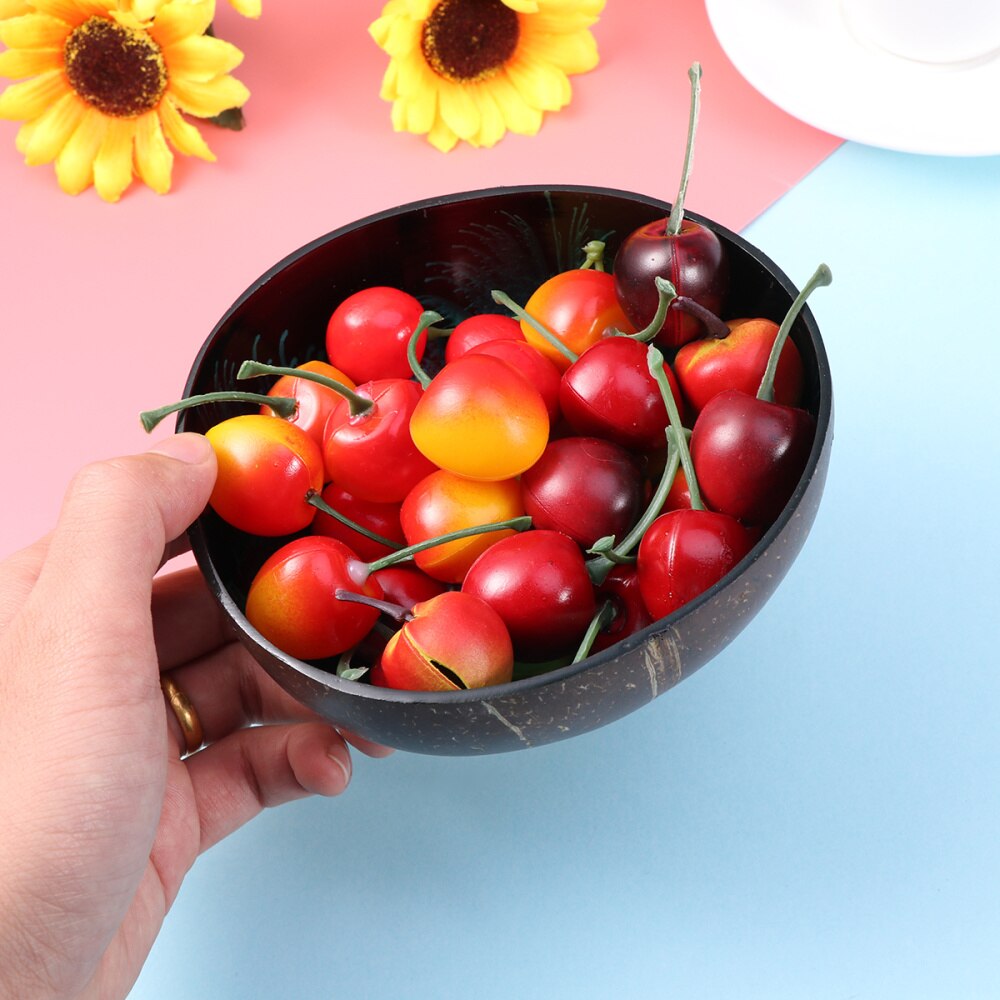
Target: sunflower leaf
231,118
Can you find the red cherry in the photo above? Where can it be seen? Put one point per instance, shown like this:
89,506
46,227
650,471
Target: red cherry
683,553
371,454
608,392
368,333
749,454
538,583
738,361
689,255
482,328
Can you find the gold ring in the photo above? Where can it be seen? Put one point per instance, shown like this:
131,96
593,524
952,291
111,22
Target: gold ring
187,717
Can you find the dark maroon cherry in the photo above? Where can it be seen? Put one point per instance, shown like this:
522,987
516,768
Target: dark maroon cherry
585,487
689,255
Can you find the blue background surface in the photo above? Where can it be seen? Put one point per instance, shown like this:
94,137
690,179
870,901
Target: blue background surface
814,814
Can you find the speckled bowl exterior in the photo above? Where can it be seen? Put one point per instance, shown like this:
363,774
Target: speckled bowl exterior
451,252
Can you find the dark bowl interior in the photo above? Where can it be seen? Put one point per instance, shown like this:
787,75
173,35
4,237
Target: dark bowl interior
451,252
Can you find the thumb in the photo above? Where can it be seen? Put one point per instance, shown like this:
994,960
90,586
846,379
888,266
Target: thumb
118,516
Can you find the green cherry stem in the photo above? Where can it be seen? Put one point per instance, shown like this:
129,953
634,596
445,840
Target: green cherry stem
821,276
676,218
283,406
517,523
603,562
654,360
358,405
315,500
427,319
501,298
593,256
605,615
667,294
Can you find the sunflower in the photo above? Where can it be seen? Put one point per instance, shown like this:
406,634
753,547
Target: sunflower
103,87
474,69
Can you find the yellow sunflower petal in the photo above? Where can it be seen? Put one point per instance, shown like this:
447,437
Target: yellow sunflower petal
540,84
521,117
458,110
24,101
575,52
144,10
248,8
183,136
201,58
52,130
153,160
491,120
34,31
421,111
441,137
72,12
75,162
113,163
13,8
20,63
397,36
522,6
208,98
567,8
389,90
179,19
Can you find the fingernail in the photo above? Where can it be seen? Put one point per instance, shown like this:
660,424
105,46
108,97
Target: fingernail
342,758
192,449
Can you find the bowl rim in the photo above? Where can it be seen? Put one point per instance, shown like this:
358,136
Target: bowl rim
330,680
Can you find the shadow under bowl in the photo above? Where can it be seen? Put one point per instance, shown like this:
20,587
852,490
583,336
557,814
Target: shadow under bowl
450,252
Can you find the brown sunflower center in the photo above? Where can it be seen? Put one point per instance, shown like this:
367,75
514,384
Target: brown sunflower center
469,40
117,69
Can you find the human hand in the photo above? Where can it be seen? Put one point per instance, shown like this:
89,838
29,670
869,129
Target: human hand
100,818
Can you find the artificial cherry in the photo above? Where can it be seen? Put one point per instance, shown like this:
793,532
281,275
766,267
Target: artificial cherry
368,333
537,582
482,328
443,502
292,600
451,642
750,451
480,418
735,356
585,487
684,252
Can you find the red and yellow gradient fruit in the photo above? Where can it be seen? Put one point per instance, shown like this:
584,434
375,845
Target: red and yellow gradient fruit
292,600
444,502
704,368
453,642
267,468
580,307
481,419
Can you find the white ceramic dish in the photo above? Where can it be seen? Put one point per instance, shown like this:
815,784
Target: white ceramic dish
802,56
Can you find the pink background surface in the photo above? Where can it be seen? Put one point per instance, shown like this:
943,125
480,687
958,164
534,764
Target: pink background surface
105,306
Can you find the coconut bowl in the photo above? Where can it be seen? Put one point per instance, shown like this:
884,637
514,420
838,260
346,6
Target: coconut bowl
450,252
